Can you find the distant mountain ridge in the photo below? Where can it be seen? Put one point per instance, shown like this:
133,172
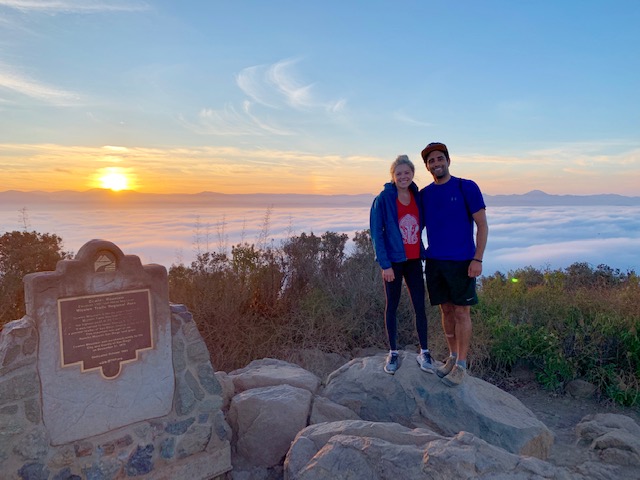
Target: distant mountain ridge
108,198
129,198
540,198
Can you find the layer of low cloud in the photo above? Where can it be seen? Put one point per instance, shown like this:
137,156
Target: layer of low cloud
539,237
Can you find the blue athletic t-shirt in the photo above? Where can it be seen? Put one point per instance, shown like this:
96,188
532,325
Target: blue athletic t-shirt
447,210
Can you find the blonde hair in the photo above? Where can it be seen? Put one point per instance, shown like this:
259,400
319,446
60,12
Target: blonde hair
401,160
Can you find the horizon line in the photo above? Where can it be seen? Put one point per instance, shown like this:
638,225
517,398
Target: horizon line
128,191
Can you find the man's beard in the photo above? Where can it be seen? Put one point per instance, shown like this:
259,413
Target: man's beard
442,174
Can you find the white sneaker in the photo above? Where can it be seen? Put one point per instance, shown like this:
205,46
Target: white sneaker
426,365
392,363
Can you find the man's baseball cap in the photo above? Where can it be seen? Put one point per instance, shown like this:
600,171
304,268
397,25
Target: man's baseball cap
432,147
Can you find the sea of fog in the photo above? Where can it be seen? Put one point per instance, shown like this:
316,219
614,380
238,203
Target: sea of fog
541,237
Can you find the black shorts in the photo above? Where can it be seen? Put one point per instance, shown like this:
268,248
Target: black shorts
448,281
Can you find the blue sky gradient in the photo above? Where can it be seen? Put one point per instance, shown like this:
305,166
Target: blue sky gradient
318,97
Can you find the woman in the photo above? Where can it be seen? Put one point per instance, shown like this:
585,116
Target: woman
396,227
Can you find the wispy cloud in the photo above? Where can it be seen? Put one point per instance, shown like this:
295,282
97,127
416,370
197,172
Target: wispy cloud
74,6
404,118
259,168
232,122
251,82
577,148
277,85
269,89
558,168
20,83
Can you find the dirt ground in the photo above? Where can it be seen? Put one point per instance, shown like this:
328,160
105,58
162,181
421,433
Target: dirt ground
561,413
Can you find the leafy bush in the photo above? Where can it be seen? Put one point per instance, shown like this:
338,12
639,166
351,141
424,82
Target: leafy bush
579,322
23,252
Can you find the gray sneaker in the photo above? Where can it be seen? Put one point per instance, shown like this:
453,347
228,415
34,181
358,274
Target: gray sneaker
444,370
392,363
426,365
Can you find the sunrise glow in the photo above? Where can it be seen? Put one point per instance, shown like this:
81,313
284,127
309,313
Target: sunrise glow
114,179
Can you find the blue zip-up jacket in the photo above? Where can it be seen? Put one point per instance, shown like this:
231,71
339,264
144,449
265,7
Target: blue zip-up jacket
385,232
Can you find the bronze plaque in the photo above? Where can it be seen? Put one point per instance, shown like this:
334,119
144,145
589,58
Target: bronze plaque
105,331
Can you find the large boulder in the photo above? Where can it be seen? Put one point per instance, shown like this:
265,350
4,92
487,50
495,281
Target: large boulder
270,371
318,362
615,438
324,410
415,399
314,438
265,421
274,401
361,450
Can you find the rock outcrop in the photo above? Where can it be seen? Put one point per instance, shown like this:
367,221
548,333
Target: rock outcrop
417,399
364,424
362,408
360,450
615,441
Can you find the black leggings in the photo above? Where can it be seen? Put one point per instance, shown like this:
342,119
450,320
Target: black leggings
411,271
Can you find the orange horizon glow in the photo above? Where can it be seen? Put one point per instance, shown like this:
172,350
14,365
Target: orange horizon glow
50,168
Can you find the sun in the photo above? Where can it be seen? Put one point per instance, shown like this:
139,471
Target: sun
114,180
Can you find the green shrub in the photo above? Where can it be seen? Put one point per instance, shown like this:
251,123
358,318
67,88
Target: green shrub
23,252
574,323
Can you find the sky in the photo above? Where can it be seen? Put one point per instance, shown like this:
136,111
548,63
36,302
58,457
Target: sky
289,96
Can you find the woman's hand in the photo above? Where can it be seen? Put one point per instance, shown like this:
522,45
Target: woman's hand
388,275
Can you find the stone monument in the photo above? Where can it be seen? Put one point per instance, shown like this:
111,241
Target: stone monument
104,374
104,354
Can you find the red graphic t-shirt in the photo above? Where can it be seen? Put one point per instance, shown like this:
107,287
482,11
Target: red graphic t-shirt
408,221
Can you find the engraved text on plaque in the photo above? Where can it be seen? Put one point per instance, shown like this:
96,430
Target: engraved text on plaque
104,331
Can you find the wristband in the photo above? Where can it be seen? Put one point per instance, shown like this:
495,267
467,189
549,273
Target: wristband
477,260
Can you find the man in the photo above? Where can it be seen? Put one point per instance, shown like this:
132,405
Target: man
451,206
